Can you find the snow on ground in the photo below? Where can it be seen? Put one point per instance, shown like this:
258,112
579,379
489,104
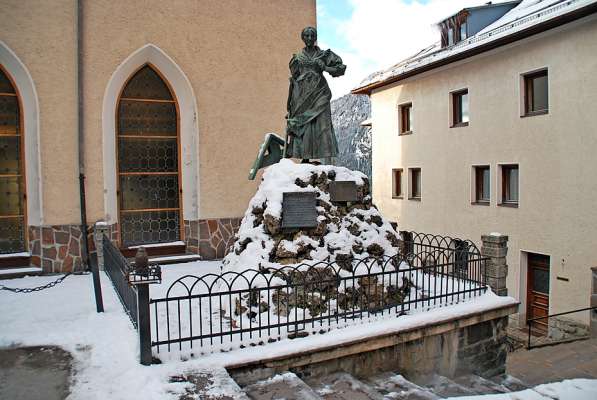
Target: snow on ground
570,389
105,349
104,346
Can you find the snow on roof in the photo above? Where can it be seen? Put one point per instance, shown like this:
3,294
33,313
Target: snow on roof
485,5
527,14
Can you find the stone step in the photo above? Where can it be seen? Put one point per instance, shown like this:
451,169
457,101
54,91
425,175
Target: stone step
395,386
285,386
509,382
170,259
343,386
443,387
14,260
19,272
480,385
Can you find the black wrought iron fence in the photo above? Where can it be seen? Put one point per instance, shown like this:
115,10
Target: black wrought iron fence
251,307
117,269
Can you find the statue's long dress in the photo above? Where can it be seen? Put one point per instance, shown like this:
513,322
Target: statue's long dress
309,127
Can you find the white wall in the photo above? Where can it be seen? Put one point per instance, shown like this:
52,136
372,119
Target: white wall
556,154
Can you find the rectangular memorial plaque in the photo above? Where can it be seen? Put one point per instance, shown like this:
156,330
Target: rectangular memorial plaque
299,210
343,191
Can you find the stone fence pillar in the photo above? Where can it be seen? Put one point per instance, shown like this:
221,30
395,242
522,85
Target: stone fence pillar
593,321
495,247
99,230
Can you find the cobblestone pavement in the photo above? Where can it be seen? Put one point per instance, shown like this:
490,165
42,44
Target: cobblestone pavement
554,363
35,373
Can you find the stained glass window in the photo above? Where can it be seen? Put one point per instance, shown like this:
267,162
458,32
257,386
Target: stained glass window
148,161
12,207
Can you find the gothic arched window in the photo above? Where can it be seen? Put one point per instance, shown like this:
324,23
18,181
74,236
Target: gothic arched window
148,161
12,179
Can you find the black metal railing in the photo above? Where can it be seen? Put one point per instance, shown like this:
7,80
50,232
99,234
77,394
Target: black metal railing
235,309
425,243
117,269
543,343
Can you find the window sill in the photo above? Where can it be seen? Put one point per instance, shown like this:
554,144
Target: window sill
398,197
511,205
405,133
415,198
459,125
480,203
535,113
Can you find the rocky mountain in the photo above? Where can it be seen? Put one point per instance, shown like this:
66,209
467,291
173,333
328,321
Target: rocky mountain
354,140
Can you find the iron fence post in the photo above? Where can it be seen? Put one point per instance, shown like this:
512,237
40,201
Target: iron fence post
144,324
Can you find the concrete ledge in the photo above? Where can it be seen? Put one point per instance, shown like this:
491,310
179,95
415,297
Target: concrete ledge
371,344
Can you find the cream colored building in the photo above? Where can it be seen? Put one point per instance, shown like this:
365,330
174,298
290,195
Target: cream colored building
541,158
161,106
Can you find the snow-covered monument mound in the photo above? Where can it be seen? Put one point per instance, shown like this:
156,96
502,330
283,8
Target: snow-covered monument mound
344,231
343,265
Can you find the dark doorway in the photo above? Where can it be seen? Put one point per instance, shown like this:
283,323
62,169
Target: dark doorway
538,291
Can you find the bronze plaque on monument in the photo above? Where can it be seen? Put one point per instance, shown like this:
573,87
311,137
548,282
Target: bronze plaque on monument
299,210
343,191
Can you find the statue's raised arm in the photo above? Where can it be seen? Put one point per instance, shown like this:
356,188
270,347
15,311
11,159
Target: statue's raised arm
310,134
309,130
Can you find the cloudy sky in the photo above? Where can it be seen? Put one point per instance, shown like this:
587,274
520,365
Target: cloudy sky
374,34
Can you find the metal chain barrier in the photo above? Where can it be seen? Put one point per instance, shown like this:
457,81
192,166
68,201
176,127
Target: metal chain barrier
38,288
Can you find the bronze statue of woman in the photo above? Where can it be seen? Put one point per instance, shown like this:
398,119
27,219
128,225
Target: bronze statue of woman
309,126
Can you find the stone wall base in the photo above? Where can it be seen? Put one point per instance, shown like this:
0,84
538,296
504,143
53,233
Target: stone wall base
467,345
58,248
561,328
211,238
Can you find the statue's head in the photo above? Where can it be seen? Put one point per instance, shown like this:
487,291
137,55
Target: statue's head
309,36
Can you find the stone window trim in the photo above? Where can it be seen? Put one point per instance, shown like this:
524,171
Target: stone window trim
528,107
405,118
502,181
397,183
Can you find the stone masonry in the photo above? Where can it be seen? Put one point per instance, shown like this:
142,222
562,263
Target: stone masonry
468,344
57,248
211,238
495,247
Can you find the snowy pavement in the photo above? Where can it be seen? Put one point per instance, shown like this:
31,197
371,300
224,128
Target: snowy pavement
105,350
104,346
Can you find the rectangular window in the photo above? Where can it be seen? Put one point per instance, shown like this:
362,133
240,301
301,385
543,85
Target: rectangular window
415,183
463,31
510,184
482,185
397,183
450,36
460,113
536,98
406,118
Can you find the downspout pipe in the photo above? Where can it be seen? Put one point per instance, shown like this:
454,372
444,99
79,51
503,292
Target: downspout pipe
81,138
85,258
